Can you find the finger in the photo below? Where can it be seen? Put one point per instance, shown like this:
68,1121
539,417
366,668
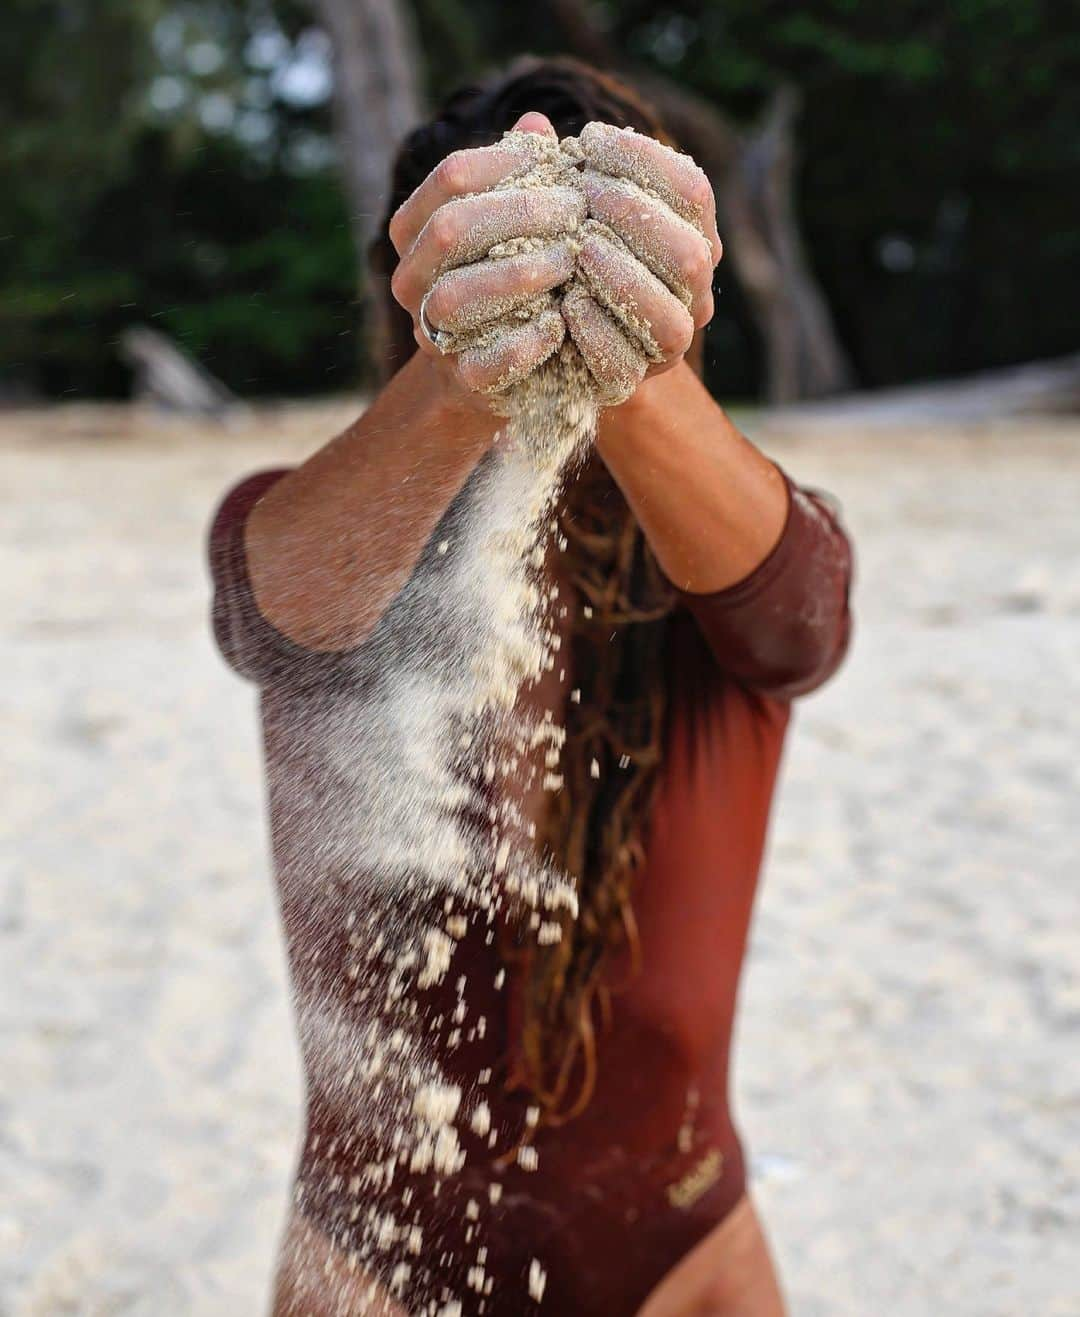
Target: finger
670,247
509,354
466,229
636,298
535,122
675,178
473,295
615,363
462,172
426,346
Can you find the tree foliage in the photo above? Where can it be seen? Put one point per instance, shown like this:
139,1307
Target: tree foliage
171,162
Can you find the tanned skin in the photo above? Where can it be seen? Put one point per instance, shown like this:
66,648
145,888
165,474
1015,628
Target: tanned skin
356,515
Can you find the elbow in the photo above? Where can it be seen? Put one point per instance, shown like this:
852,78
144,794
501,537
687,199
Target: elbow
809,650
816,633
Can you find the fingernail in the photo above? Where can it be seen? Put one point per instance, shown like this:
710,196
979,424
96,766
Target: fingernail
543,128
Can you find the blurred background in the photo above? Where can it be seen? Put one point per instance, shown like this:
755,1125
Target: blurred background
188,191
902,169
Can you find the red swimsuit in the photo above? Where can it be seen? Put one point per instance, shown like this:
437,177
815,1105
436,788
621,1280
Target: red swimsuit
629,1187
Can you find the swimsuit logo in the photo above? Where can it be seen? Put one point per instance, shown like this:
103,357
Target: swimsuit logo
685,1192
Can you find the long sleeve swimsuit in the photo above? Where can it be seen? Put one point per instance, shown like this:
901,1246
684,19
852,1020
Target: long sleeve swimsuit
626,1189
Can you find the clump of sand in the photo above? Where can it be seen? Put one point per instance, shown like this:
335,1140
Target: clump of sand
620,345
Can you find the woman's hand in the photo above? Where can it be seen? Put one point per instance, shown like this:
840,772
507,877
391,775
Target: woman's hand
439,229
644,222
658,284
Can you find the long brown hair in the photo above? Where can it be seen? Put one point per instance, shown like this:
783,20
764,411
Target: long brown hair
596,824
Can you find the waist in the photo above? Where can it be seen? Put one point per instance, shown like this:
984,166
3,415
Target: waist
601,1223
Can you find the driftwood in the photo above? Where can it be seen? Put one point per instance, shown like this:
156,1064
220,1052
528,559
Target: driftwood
1036,388
167,376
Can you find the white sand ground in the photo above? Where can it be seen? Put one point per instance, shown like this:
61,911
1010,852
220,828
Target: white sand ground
909,1073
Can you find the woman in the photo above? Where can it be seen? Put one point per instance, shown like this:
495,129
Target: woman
707,591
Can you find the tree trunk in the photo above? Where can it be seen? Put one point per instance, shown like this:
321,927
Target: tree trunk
752,173
756,197
376,100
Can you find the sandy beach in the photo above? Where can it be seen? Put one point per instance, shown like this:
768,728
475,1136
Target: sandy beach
909,1059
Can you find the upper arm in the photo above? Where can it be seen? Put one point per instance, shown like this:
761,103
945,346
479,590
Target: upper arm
250,644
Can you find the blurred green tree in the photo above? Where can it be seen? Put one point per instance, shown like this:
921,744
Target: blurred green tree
172,161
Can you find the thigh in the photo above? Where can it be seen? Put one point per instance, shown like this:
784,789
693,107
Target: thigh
729,1274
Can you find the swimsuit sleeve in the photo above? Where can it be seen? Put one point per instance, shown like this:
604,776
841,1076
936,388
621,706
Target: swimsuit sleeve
250,644
784,629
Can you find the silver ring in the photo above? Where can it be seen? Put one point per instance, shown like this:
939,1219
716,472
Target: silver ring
426,327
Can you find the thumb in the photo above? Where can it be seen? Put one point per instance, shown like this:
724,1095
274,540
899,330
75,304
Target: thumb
535,122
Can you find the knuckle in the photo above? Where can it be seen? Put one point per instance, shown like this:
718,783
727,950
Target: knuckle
593,186
671,333
700,193
606,204
452,173
600,263
442,230
398,285
395,227
681,336
697,264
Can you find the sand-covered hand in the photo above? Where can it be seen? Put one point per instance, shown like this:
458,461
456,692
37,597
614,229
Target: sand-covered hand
608,238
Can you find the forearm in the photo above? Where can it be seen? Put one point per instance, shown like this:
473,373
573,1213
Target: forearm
331,544
711,505
765,572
